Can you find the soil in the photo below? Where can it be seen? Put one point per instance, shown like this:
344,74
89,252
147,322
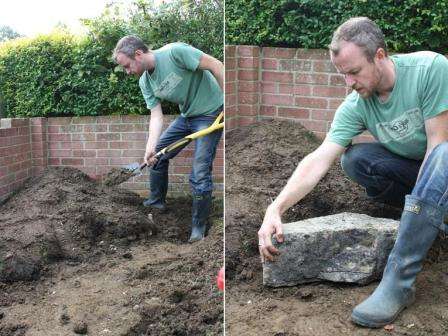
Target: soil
259,160
116,176
79,257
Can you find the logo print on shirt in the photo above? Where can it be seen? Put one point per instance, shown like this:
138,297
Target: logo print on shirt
168,85
400,128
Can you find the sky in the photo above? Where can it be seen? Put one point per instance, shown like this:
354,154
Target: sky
32,17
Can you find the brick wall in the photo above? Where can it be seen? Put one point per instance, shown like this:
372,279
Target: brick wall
282,83
92,144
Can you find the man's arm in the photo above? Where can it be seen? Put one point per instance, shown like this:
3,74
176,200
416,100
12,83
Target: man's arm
215,66
307,174
436,133
155,129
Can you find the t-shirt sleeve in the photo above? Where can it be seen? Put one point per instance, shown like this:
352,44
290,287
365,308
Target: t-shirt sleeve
148,94
186,56
435,93
347,124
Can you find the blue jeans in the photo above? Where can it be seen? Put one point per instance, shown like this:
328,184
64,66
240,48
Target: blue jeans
205,149
388,177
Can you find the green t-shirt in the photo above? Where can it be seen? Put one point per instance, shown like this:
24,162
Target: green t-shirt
420,93
176,78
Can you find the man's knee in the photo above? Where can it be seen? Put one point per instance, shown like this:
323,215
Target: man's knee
350,160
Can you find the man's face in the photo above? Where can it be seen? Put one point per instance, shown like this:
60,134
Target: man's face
132,66
360,74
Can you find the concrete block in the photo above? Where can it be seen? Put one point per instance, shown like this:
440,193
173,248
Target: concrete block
346,247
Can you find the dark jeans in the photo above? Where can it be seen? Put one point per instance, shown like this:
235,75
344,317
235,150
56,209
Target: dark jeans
205,149
387,177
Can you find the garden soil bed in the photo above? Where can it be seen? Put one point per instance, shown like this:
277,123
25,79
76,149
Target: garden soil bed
259,160
76,254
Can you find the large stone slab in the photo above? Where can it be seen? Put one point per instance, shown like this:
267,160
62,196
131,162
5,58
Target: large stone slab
346,247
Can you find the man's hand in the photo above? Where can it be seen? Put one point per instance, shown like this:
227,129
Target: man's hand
149,158
272,225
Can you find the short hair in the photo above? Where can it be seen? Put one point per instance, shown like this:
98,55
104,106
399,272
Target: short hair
128,45
361,31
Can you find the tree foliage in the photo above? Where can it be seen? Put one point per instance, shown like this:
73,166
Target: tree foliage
408,25
7,33
60,74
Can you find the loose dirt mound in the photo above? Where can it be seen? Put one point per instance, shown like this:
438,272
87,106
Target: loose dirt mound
63,214
259,160
102,267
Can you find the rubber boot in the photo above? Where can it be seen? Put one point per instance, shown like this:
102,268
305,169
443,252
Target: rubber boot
158,183
418,229
201,210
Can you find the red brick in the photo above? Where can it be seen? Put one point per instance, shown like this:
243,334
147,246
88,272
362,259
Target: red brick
282,77
84,120
230,64
72,162
19,122
77,145
269,99
95,128
121,161
295,65
248,75
96,161
54,161
243,50
128,128
269,87
248,62
248,110
38,122
24,130
107,136
135,119
84,153
319,103
59,137
329,91
285,52
96,145
268,110
230,88
312,78
230,111
230,100
322,115
108,153
248,86
71,128
36,137
53,153
293,113
245,121
230,76
133,152
230,50
337,80
313,54
7,132
231,124
269,64
120,145
333,104
181,169
59,121
323,66
134,136
302,90
5,141
248,98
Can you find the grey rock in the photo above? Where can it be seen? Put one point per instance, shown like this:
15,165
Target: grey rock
14,267
80,328
346,247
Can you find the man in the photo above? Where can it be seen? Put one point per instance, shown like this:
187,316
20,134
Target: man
403,101
184,75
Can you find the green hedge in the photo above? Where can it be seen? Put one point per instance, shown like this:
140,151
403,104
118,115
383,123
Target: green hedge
408,25
64,75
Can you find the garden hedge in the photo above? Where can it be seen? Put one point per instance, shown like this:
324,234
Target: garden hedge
409,25
60,74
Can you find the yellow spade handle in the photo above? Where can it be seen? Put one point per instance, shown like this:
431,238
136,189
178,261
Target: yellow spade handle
217,124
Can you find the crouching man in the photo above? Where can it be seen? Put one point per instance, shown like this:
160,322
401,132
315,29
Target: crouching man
403,101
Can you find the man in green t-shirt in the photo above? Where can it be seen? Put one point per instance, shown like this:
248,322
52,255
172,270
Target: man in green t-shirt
403,101
192,79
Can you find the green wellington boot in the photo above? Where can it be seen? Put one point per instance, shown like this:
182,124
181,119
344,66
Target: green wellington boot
418,229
